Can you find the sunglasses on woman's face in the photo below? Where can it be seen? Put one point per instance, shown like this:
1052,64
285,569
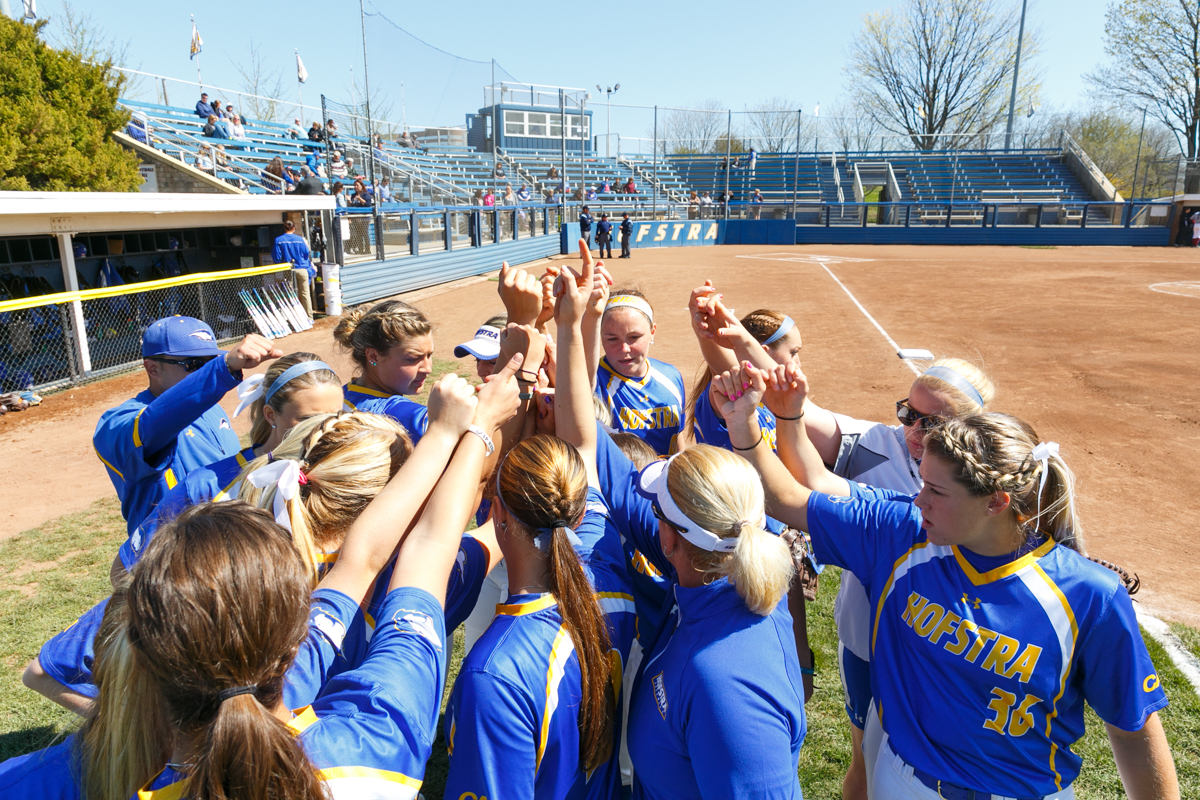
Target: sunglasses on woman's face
189,364
909,416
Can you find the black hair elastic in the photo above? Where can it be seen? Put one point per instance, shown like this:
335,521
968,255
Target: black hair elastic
226,694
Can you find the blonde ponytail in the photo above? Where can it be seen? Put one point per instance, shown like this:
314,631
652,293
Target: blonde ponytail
723,494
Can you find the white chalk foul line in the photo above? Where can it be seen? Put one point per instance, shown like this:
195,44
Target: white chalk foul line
1191,288
1183,660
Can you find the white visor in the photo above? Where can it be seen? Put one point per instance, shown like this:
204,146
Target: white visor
652,485
485,346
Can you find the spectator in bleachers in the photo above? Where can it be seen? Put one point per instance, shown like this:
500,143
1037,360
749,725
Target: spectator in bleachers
606,186
204,109
218,109
548,196
337,167
578,196
630,186
693,205
331,130
204,161
274,170
499,173
309,183
510,199
385,191
221,157
757,201
591,195
338,195
416,144
403,140
296,130
552,173
215,128
361,196
315,164
236,128
290,179
229,112
523,193
752,161
316,133
489,199
477,198
706,199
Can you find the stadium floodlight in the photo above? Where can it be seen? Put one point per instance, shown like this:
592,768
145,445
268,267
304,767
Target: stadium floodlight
598,89
609,92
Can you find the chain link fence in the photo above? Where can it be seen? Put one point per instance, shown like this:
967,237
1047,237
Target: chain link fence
72,338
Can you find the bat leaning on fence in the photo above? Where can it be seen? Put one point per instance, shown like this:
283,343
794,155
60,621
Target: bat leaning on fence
260,320
279,296
278,317
289,294
262,316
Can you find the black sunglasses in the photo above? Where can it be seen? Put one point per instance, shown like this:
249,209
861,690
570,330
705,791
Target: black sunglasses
189,364
909,416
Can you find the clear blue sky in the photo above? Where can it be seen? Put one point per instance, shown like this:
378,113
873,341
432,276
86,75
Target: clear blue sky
660,52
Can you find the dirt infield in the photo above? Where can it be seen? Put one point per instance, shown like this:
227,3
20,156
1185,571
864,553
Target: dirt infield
1078,342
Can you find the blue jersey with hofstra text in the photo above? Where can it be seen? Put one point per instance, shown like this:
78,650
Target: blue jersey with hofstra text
650,407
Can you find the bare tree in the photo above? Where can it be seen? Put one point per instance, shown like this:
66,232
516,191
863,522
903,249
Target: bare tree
382,110
852,128
263,86
938,67
81,33
771,124
1155,51
694,131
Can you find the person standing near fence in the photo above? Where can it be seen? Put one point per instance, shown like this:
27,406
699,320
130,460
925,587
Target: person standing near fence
626,234
585,225
152,441
291,248
604,236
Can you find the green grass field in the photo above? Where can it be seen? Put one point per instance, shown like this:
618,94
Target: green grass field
58,570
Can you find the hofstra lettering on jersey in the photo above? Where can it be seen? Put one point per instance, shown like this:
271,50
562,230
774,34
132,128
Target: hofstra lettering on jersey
992,651
660,695
636,419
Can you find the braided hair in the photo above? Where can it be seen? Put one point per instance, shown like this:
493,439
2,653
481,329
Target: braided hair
993,452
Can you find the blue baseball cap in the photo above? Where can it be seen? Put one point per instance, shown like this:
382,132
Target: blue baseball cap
179,336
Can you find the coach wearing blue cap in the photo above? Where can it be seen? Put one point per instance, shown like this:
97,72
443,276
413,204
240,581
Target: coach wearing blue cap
175,425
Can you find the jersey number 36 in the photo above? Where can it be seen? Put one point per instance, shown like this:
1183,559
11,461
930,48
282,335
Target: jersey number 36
1018,720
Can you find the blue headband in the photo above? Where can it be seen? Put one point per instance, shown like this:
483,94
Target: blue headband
780,332
293,372
955,379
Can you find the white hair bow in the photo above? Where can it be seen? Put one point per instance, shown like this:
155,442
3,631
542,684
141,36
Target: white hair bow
285,474
248,391
1041,454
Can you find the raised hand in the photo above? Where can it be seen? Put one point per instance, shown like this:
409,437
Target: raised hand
452,404
547,283
250,352
698,308
724,327
786,389
521,293
601,284
498,401
527,341
738,392
572,291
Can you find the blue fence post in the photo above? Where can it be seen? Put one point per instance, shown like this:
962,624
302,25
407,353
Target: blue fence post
1128,212
866,212
995,215
1083,218
414,234
476,233
495,226
447,233
907,215
1038,224
827,208
516,222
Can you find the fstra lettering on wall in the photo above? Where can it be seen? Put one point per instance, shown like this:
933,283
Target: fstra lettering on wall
676,234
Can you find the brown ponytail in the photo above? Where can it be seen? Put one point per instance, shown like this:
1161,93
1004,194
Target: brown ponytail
380,327
760,324
220,602
543,481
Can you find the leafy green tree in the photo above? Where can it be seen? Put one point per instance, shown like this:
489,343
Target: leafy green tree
57,114
1154,47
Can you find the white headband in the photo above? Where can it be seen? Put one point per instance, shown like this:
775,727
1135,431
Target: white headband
630,301
652,484
285,474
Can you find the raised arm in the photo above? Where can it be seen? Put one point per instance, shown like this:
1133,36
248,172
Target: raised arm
373,537
718,357
428,553
740,390
786,390
575,417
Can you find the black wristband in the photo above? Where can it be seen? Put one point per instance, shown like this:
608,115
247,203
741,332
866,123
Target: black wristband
790,419
751,447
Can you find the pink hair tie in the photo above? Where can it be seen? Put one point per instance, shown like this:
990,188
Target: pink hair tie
303,479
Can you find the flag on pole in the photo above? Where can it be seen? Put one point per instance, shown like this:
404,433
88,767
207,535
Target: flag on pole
301,72
817,110
197,42
30,7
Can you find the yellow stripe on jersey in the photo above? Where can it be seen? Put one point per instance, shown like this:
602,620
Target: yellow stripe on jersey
616,602
241,459
221,495
105,462
560,652
532,607
172,791
639,382
137,439
169,477
303,719
980,578
450,741
917,554
364,390
343,773
348,405
1062,618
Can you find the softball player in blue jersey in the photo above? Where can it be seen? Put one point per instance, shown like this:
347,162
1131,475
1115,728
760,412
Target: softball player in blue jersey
155,439
873,454
978,589
392,344
699,654
644,395
220,681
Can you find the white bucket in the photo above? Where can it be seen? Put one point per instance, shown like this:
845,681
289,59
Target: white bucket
333,289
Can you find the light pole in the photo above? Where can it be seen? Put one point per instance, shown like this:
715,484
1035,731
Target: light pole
1012,101
1137,161
609,91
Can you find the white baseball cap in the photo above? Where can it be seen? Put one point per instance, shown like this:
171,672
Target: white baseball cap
485,346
